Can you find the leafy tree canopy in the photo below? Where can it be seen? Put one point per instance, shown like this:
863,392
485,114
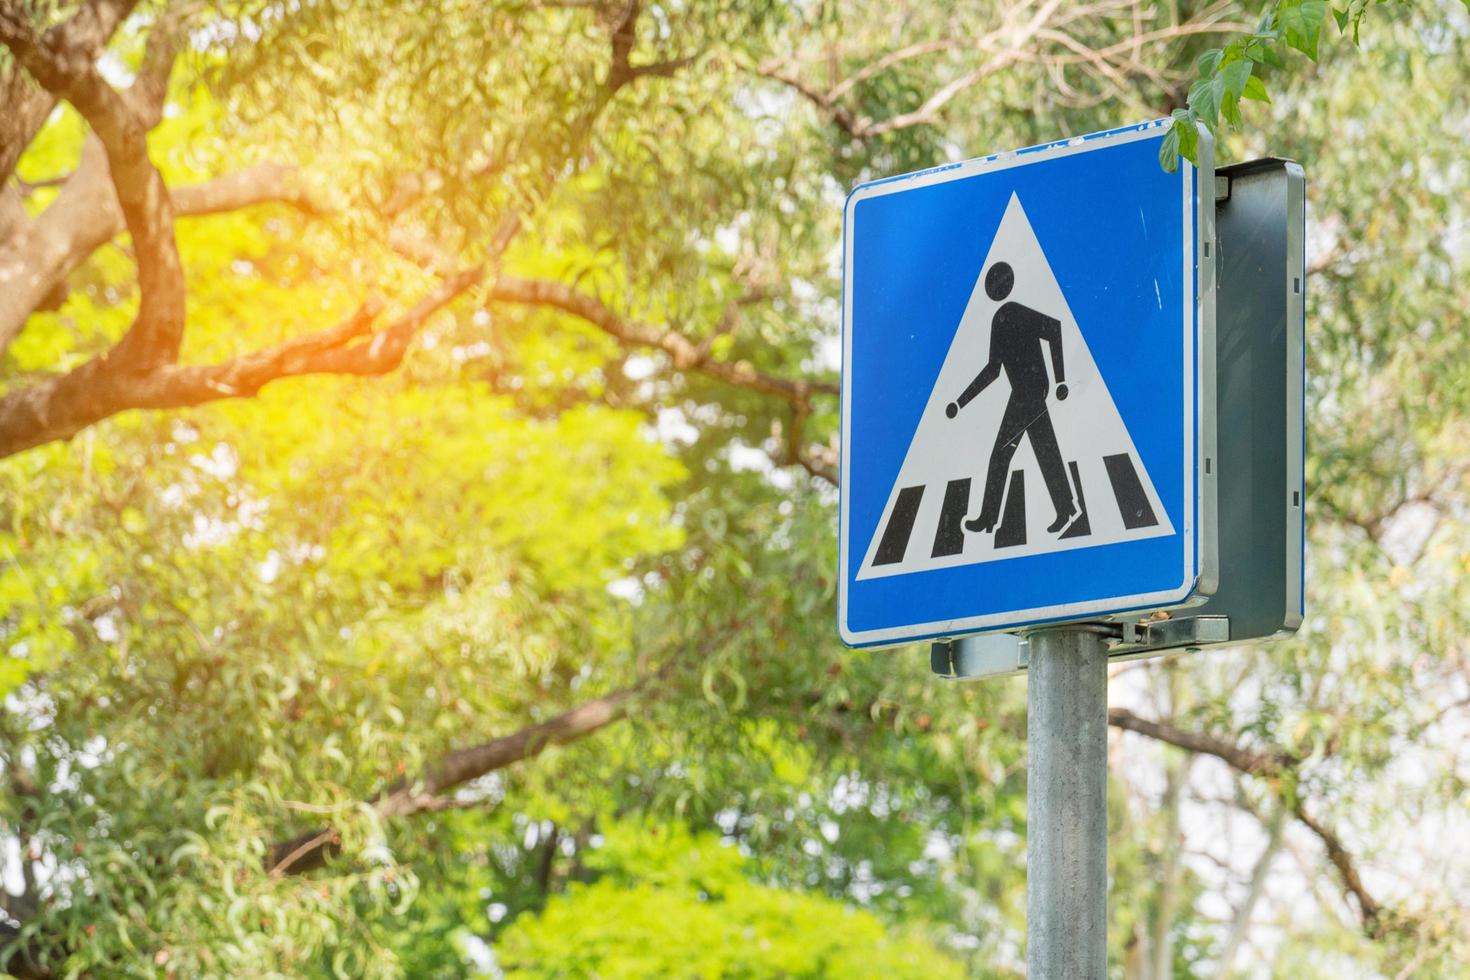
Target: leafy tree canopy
417,499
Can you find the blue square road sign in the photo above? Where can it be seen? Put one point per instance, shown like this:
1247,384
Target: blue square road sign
1027,401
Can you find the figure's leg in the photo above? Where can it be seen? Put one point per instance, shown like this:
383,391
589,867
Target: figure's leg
1053,470
1007,438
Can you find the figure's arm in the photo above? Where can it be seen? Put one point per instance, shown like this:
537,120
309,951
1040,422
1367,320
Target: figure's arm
987,374
1051,332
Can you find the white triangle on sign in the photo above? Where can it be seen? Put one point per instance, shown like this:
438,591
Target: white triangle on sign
943,479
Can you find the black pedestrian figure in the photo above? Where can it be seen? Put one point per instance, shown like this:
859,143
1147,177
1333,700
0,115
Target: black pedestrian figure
1016,335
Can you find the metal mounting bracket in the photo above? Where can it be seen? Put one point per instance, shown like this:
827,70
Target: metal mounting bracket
1000,654
1170,634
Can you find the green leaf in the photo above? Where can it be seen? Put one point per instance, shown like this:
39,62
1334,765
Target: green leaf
1207,62
1235,75
1263,53
1230,110
1169,149
1301,25
1204,98
1181,140
1189,139
1255,89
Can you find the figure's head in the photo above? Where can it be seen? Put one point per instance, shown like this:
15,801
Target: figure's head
999,280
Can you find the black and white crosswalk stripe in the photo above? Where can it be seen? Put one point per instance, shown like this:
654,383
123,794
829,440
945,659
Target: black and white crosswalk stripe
1127,494
949,539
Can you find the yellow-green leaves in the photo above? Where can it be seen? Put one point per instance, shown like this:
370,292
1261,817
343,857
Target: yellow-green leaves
674,904
1230,73
1300,24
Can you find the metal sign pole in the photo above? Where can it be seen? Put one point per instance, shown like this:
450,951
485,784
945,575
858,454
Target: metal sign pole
1067,804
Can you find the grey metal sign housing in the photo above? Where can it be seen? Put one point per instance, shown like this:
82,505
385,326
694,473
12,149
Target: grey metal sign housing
1260,226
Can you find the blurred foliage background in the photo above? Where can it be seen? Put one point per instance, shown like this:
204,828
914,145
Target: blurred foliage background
518,657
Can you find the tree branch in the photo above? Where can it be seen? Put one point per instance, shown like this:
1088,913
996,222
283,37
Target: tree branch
623,36
797,452
156,333
27,106
1244,760
686,354
140,371
823,101
36,258
928,113
663,69
1240,927
907,53
60,407
1269,765
149,90
1369,911
1024,37
311,850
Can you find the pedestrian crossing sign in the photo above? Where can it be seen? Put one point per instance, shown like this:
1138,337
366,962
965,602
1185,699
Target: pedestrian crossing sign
1028,362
